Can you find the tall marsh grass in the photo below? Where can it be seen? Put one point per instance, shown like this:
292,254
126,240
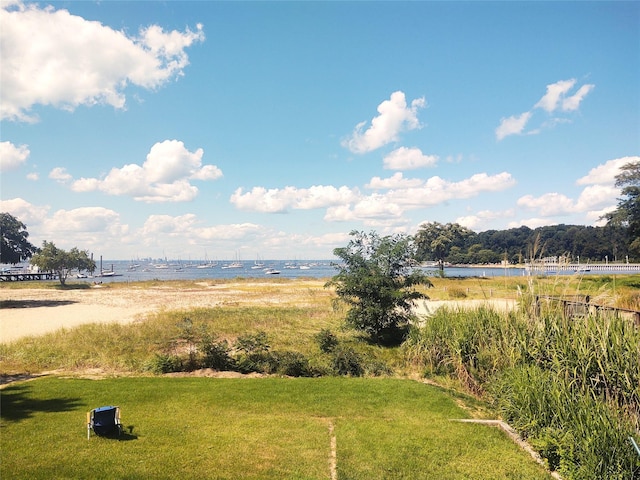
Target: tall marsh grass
569,385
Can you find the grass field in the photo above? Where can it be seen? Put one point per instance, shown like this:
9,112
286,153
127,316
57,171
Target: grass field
267,428
272,427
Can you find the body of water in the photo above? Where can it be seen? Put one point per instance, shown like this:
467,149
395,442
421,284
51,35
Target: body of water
126,271
132,272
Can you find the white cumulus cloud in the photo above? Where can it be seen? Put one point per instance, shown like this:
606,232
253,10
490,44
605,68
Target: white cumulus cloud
85,219
384,208
396,181
12,156
479,221
394,117
60,174
548,205
404,158
163,177
387,209
24,211
598,196
280,200
51,57
604,174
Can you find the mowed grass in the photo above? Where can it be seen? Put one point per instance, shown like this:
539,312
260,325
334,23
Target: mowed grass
262,428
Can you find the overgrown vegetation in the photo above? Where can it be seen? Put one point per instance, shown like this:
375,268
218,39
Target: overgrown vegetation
570,385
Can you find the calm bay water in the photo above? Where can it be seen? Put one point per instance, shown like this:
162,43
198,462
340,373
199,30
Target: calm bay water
126,271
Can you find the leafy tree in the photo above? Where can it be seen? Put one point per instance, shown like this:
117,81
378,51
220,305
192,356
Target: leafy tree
54,259
377,281
627,213
14,246
435,240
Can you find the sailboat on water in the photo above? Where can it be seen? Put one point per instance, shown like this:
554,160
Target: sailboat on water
258,264
235,264
207,263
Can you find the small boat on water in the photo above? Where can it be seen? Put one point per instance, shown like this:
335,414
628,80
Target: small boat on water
233,265
271,271
207,265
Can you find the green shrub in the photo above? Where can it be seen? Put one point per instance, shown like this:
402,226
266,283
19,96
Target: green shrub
326,340
377,368
292,364
253,343
346,361
165,363
216,355
254,355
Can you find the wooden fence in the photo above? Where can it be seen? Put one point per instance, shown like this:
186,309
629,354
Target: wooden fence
580,306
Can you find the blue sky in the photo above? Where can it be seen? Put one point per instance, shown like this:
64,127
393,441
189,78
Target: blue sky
185,129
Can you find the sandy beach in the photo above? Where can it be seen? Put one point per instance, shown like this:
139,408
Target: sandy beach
35,311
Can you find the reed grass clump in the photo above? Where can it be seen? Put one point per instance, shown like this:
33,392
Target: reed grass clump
569,384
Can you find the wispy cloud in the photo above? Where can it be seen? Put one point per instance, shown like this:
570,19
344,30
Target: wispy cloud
394,117
513,125
556,99
51,57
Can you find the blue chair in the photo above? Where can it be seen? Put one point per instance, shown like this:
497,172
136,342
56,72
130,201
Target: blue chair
104,421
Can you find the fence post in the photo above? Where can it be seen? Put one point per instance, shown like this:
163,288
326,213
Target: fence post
635,445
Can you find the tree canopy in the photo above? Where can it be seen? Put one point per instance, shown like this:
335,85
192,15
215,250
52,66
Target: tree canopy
14,246
453,243
434,240
54,259
627,213
377,281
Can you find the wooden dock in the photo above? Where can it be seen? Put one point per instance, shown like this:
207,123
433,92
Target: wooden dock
550,267
23,276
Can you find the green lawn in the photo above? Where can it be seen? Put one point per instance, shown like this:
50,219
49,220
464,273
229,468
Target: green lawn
261,428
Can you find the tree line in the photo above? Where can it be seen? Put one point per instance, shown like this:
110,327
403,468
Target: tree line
452,243
618,240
